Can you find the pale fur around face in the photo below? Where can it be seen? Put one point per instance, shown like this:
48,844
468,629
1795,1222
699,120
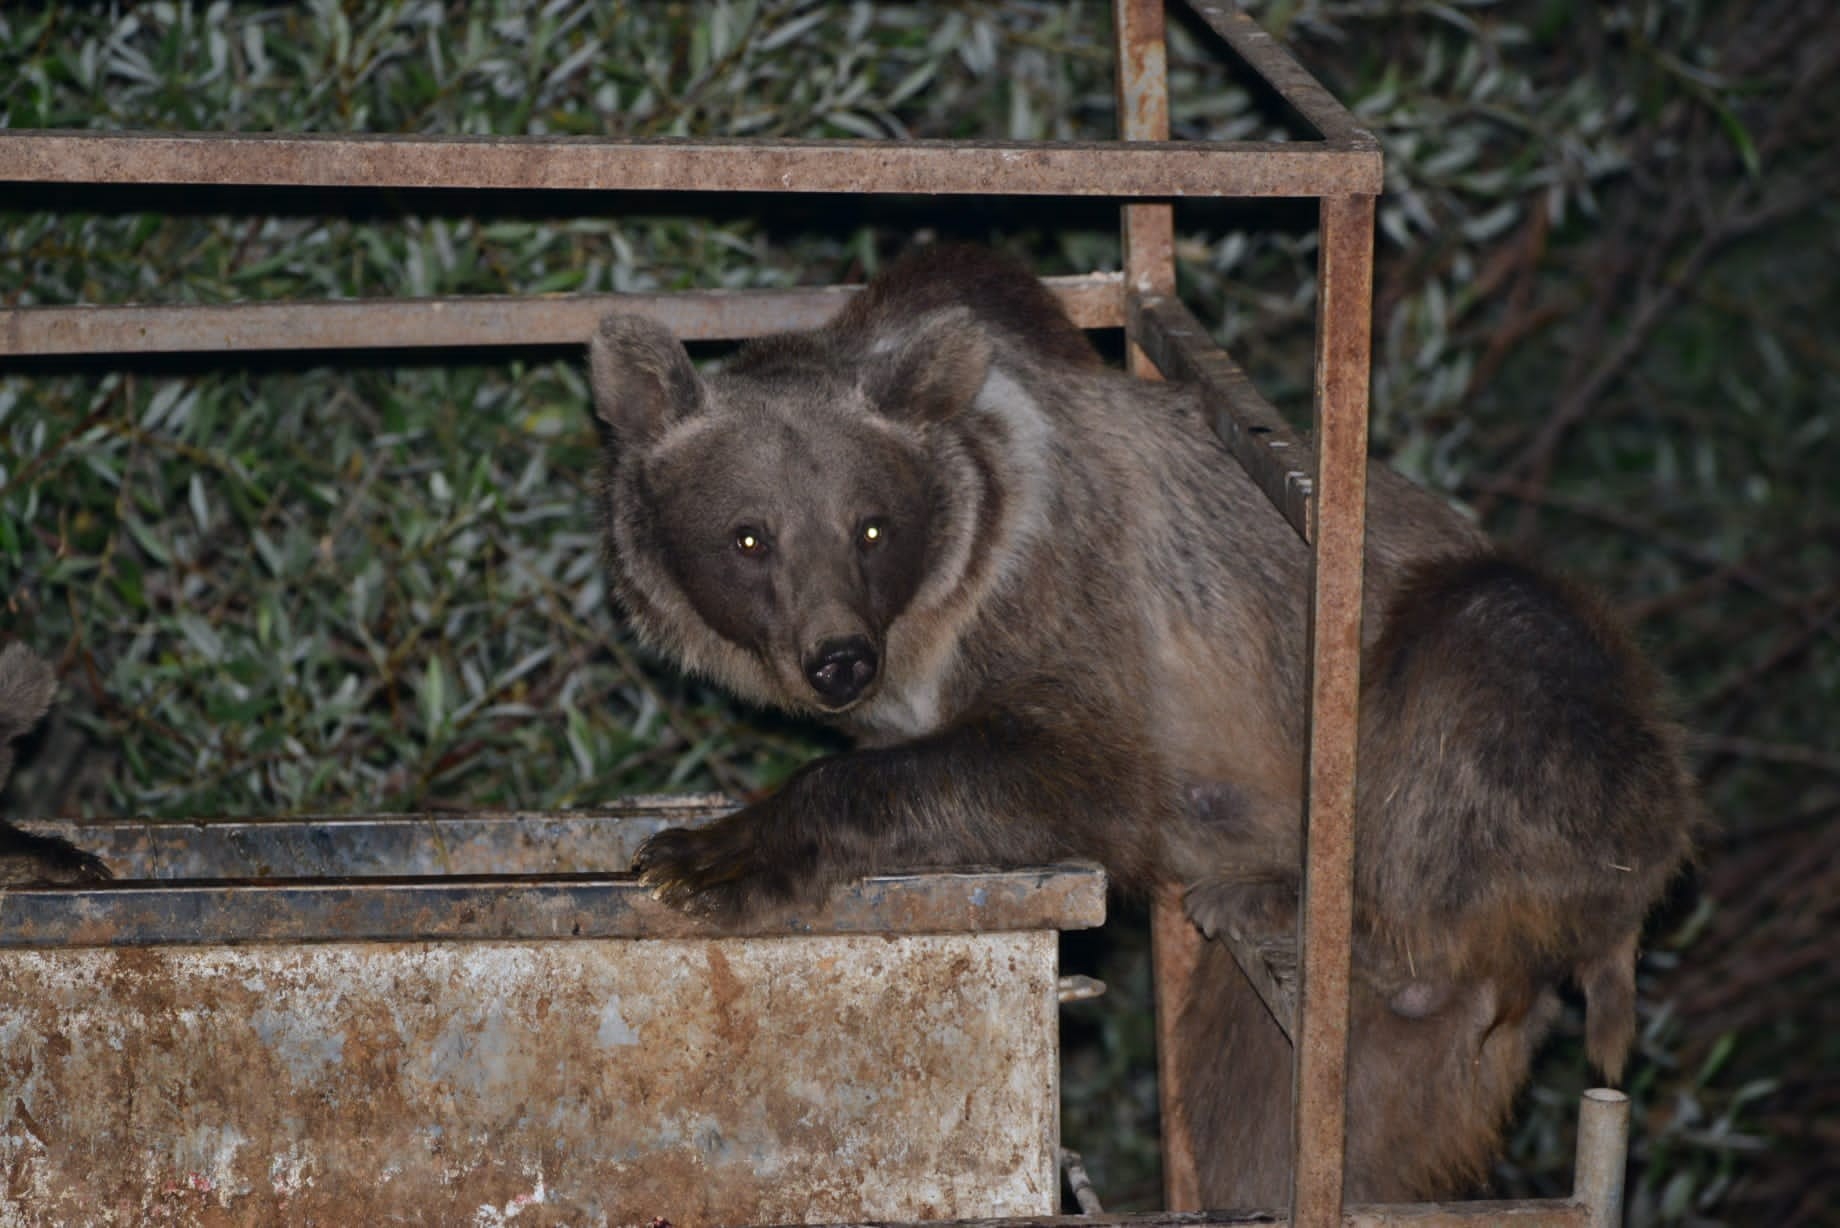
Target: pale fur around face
967,565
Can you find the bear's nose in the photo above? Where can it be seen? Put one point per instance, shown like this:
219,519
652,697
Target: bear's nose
840,669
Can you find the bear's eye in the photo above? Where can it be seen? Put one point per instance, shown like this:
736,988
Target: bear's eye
750,541
874,532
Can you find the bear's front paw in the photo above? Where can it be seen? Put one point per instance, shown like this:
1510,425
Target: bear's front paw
719,871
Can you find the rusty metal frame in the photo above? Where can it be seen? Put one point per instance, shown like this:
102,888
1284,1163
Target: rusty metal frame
1319,485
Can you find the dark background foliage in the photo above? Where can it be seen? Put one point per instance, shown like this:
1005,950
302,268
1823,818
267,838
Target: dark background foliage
1605,321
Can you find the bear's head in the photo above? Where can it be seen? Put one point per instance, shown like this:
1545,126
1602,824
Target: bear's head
769,524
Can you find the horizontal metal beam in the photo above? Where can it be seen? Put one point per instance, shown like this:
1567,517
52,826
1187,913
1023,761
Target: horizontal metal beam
1116,169
1095,300
1273,455
342,846
142,913
1551,1213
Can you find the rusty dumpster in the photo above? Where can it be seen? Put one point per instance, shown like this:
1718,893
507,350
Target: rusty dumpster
477,1019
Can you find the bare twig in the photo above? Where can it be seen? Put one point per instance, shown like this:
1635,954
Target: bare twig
1767,752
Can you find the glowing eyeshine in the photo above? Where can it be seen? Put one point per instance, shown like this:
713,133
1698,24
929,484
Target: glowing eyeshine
871,534
750,541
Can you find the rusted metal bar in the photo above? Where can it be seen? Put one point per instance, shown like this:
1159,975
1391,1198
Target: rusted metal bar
1273,455
1148,233
593,164
1175,948
138,913
1143,115
1094,300
598,841
1266,56
1343,327
1603,1144
1531,1214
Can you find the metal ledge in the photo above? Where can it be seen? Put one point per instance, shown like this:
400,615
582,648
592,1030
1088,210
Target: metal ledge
1272,454
1095,300
603,840
1135,169
485,908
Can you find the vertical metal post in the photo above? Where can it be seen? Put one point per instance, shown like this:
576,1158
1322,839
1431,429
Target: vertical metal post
1143,115
1343,341
1175,946
1149,266
1603,1144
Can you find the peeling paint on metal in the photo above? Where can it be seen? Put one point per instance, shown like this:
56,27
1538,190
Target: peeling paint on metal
614,1029
305,1050
734,1080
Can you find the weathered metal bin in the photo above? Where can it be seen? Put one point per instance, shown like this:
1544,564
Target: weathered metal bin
470,1019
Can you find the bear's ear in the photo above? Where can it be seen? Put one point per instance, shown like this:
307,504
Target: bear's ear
933,371
641,377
